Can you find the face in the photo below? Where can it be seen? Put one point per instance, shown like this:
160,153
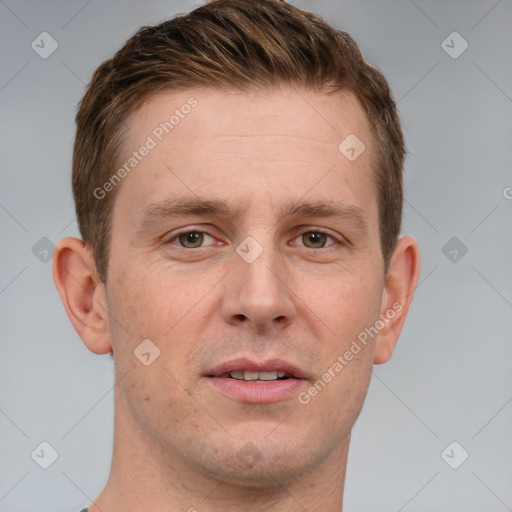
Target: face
244,245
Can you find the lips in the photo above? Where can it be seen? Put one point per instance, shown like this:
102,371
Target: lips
257,376
250,381
247,369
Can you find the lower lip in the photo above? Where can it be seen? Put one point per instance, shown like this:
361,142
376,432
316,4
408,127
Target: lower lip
258,392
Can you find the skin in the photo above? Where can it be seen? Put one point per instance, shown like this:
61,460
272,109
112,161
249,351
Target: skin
178,440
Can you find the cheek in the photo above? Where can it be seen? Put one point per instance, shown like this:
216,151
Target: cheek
347,303
145,303
140,299
349,310
141,307
338,393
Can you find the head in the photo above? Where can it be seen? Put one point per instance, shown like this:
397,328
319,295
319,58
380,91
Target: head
241,231
228,46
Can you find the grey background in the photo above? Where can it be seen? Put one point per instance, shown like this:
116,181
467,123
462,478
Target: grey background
450,377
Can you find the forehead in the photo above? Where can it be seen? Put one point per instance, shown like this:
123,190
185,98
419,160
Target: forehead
266,145
216,113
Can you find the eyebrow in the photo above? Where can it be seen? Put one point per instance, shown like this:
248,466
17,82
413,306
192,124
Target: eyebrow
194,206
327,209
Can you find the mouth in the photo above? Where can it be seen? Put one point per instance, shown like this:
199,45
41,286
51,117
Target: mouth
257,382
250,376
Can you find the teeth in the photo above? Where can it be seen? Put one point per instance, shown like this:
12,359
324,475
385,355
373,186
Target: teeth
246,375
268,375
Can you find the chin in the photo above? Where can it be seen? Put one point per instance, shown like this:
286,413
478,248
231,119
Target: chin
258,461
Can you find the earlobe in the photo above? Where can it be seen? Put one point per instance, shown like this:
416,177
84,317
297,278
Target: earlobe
83,296
401,282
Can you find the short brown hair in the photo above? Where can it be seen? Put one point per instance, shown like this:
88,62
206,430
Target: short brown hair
239,45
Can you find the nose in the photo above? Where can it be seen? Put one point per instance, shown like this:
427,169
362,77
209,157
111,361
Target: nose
259,294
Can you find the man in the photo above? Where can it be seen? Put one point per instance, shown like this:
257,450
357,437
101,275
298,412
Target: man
237,175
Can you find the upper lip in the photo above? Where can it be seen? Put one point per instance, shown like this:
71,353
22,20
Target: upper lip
251,365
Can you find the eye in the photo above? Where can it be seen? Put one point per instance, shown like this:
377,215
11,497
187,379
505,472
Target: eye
190,239
315,239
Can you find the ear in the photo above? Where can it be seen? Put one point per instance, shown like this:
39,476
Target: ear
81,292
400,284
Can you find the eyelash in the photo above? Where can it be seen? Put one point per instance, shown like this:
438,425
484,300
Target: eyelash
320,231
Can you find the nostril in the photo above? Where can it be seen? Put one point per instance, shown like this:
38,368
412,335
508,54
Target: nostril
241,317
